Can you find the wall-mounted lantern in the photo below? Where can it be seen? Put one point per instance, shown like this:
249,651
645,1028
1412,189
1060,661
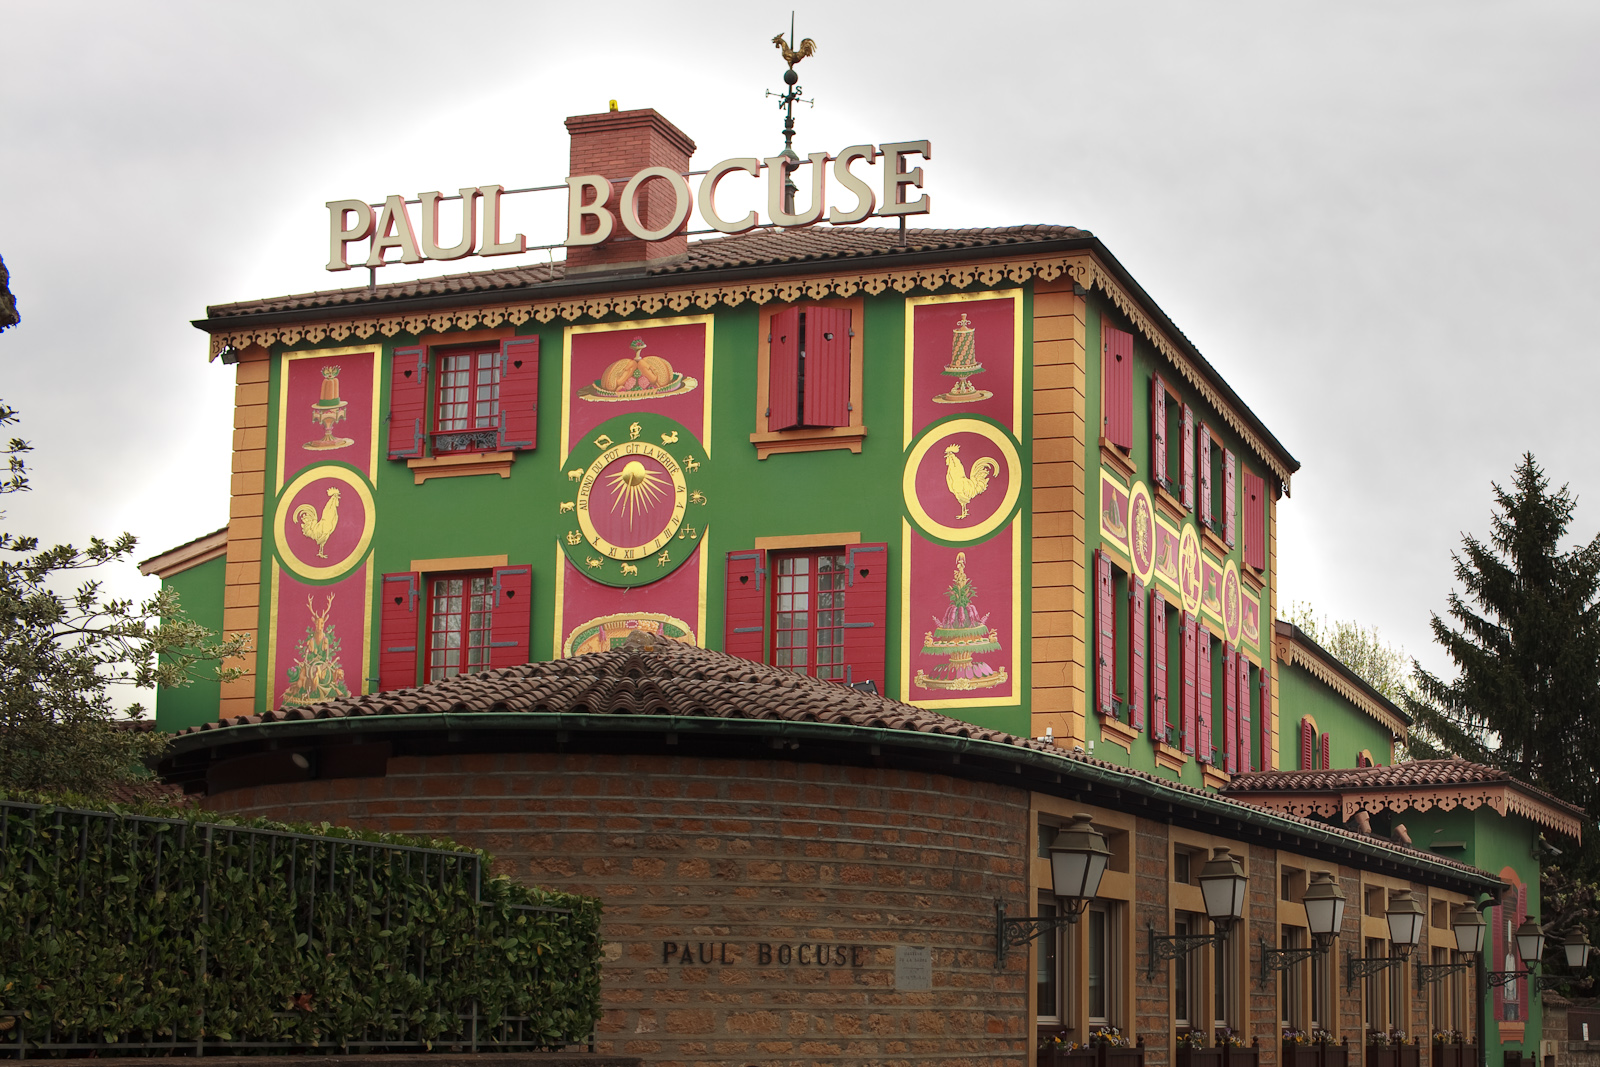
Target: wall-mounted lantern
1223,887
1324,902
1530,946
1467,923
1078,859
1405,917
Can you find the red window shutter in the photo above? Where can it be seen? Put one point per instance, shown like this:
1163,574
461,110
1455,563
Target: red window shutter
1116,387
1158,665
512,620
1105,637
398,630
1243,761
1502,943
866,614
1186,458
1203,681
519,395
1308,742
408,405
1191,673
1264,716
1203,458
783,370
745,607
1516,995
1326,753
827,366
1158,431
1255,521
1227,498
1136,612
1230,712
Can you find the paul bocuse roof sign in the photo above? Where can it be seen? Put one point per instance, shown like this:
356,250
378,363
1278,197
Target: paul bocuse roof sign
594,215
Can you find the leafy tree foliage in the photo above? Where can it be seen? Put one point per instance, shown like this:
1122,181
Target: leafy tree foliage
63,646
1525,640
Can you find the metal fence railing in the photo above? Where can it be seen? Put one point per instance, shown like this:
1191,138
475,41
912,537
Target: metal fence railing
142,935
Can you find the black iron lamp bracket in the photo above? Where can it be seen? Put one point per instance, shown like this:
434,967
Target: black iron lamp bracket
1366,966
1014,933
1274,960
1176,946
1429,973
1496,979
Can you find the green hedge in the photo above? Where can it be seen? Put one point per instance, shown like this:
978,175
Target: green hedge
135,930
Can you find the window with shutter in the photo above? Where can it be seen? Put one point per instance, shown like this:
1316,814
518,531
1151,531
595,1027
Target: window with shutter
1228,497
398,629
1308,743
1186,459
1105,637
1264,717
1160,721
460,623
1158,431
745,606
519,394
808,379
1191,681
1324,756
1203,458
1244,758
1230,712
1136,626
1116,386
408,402
1204,681
1255,521
512,617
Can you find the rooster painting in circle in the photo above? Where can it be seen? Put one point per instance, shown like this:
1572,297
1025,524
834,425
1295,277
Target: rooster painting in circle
319,527
964,484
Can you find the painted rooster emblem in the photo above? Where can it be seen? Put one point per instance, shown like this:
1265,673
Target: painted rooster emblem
319,527
964,484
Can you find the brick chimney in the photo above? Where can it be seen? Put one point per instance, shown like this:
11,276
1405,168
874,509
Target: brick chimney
619,144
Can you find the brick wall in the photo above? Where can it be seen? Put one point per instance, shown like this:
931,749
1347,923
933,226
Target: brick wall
712,859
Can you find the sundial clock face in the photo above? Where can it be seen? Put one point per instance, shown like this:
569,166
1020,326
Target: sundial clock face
630,499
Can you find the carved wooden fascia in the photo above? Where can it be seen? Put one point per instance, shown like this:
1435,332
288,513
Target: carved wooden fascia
1294,654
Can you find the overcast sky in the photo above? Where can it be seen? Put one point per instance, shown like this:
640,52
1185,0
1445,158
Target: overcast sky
1377,220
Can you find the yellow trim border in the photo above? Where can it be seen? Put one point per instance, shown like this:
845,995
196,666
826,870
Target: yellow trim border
460,563
376,349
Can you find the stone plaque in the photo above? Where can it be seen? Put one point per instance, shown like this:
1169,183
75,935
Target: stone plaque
913,969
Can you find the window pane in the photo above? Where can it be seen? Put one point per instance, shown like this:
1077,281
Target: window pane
1045,980
1097,965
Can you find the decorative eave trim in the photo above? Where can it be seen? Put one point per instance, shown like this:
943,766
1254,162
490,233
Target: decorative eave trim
1292,653
1083,268
1503,797
184,557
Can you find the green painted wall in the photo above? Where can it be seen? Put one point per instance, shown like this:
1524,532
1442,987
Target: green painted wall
784,495
1147,361
1491,843
1351,729
199,591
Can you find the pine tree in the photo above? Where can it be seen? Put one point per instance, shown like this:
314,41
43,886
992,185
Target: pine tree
1526,645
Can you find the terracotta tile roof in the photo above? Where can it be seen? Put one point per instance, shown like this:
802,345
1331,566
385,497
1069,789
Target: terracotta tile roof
1412,774
757,248
671,679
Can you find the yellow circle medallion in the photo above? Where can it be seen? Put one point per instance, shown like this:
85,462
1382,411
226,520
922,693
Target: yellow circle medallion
324,532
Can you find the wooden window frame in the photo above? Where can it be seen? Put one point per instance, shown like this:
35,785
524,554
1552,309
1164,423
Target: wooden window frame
808,438
814,556
463,667
436,386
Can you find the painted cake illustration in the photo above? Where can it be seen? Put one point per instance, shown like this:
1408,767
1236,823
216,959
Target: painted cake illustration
962,366
959,636
640,377
327,411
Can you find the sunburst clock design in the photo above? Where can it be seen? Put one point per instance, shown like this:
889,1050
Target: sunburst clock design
632,504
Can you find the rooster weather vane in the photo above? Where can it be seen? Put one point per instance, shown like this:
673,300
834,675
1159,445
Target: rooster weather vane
787,100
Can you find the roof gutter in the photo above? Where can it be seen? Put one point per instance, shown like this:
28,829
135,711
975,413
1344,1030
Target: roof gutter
1057,766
